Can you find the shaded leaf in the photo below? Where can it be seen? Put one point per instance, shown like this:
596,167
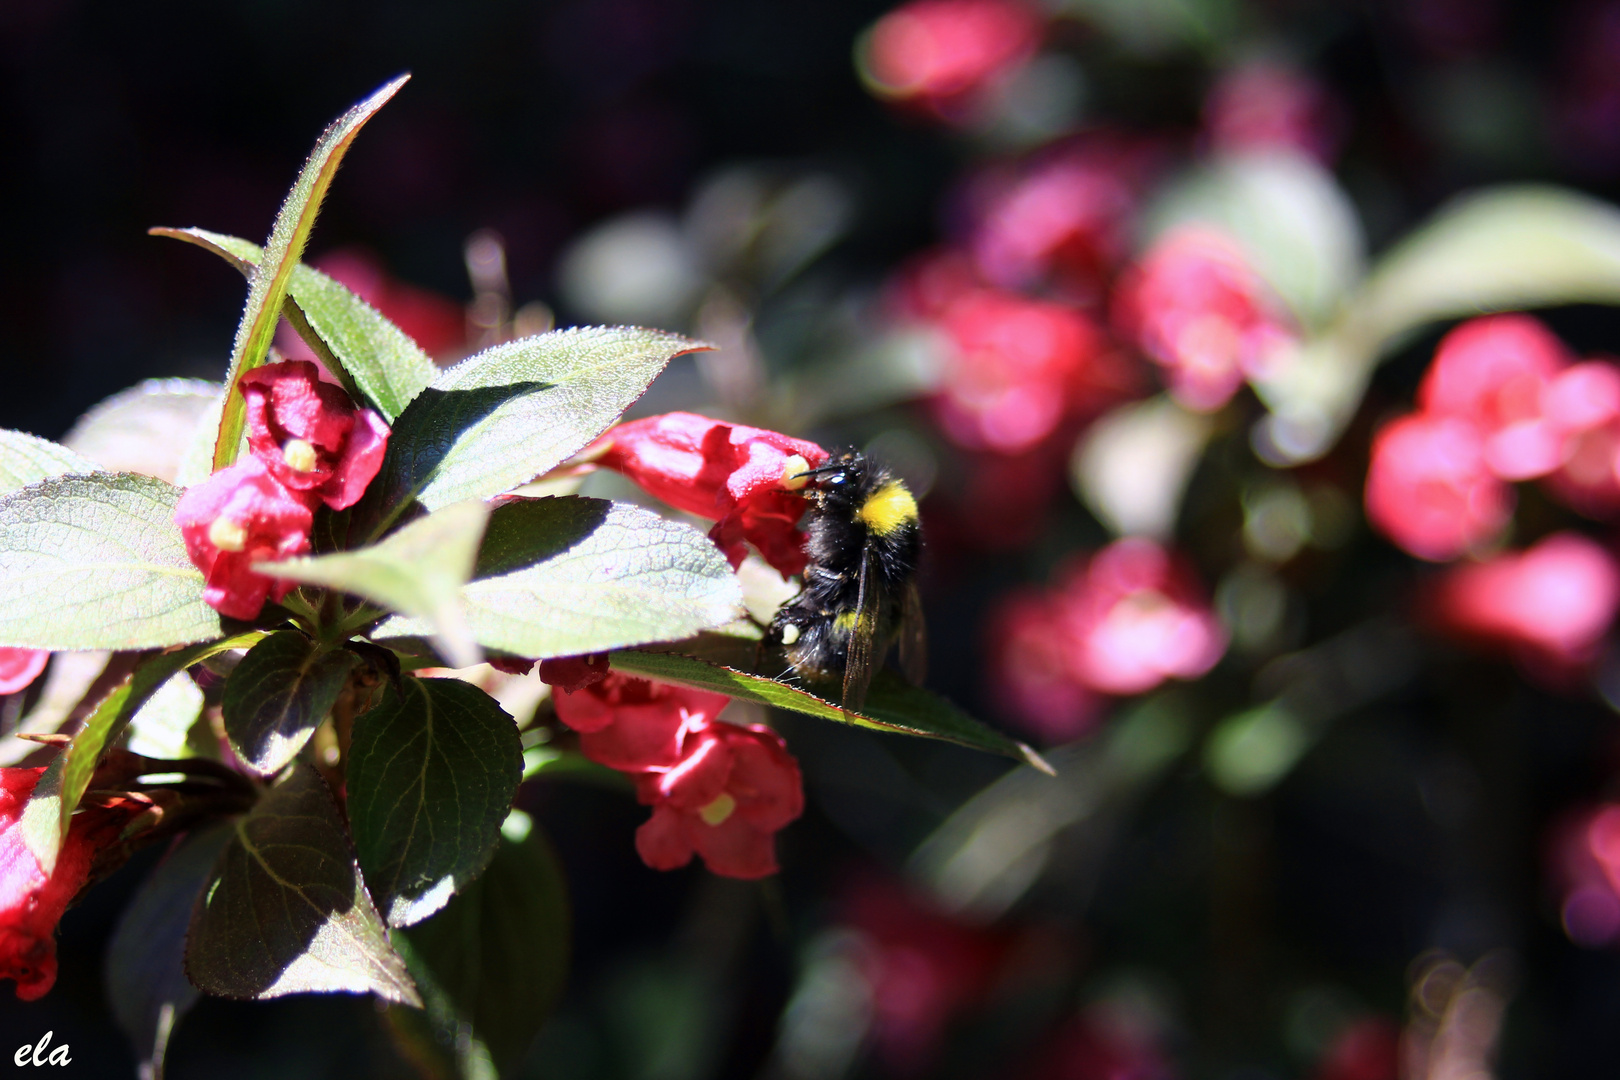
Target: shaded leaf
892,704
146,979
50,809
136,430
285,911
97,563
386,366
504,416
285,247
496,958
159,729
416,570
279,694
563,576
431,777
26,459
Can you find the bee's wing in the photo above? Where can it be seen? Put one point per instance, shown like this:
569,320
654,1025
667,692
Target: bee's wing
913,637
858,655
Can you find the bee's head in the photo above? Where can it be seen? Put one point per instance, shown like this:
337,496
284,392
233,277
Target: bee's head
836,480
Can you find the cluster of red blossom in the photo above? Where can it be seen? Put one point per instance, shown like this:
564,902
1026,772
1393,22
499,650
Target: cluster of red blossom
307,444
1504,401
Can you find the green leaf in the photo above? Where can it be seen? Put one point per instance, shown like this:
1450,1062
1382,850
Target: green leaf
141,429
197,456
161,726
50,809
146,979
1498,250
354,338
564,576
431,777
97,563
416,570
27,459
495,960
285,910
285,247
892,704
508,414
279,694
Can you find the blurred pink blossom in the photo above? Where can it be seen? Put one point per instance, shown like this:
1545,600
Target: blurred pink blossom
20,667
1270,106
1429,488
1366,1049
938,54
1584,857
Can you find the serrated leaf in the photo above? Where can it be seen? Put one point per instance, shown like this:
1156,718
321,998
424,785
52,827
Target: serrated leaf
496,959
285,910
282,252
431,776
197,457
504,416
136,430
1498,250
892,704
97,563
50,809
159,729
564,576
145,975
26,459
416,570
355,339
279,694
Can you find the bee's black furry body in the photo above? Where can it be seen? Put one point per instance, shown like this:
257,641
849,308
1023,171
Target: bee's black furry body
860,515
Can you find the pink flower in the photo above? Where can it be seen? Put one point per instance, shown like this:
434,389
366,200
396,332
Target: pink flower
733,789
309,435
1583,404
1196,308
1430,490
235,518
937,54
1030,678
1271,106
1020,368
1495,373
1555,600
1134,617
32,901
20,667
1584,859
744,478
632,724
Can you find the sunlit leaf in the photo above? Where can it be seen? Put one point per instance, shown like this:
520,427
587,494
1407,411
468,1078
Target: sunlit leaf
285,910
26,459
142,429
431,777
159,729
278,695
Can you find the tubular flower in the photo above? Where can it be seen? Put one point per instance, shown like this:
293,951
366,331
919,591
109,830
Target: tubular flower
732,790
1430,490
936,54
31,900
235,518
632,724
1195,307
309,435
743,478
20,667
1583,403
1029,671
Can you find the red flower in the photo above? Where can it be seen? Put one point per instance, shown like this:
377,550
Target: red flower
309,435
1269,106
733,789
938,53
1555,600
743,477
1365,1049
235,518
1029,670
1429,488
1020,368
20,667
573,673
632,724
32,901
1196,308
1583,404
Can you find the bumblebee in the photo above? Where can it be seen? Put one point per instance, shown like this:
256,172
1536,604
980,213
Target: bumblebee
860,586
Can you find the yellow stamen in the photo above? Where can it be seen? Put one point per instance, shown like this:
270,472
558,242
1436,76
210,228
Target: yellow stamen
299,455
717,812
227,535
793,470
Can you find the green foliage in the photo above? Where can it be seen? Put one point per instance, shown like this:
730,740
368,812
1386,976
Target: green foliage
431,775
561,577
96,562
280,692
27,459
285,910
